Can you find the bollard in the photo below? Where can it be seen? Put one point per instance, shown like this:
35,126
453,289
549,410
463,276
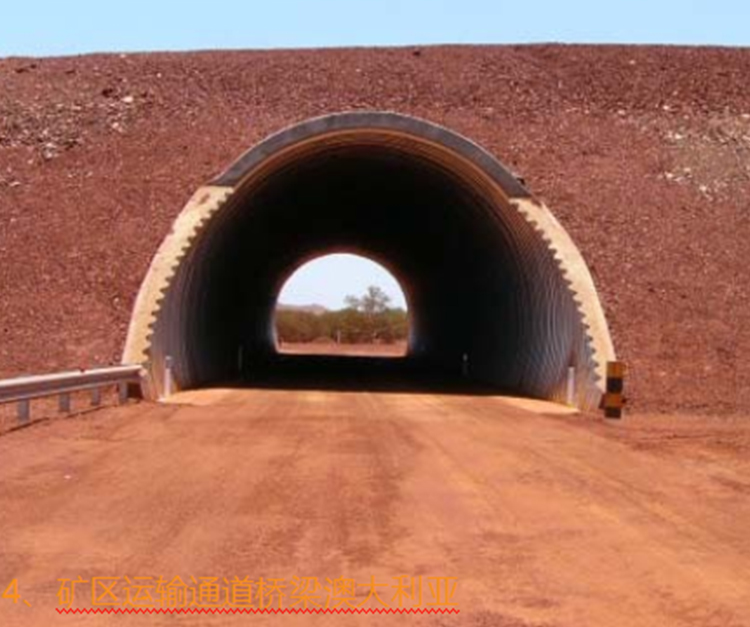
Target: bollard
571,389
614,400
168,383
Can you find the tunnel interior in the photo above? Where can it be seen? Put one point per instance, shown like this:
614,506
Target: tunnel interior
487,298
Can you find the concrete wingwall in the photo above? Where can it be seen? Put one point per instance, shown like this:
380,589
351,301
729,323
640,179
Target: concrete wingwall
490,271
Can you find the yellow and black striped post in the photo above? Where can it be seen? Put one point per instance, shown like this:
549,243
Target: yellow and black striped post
613,398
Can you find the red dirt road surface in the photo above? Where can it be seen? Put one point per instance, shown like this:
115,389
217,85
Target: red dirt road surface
546,519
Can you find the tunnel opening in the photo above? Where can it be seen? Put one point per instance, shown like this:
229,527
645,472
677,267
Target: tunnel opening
499,295
341,304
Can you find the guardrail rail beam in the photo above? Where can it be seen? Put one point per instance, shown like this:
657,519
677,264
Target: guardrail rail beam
22,390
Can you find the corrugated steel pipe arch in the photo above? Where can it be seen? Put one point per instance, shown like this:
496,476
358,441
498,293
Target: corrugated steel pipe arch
489,271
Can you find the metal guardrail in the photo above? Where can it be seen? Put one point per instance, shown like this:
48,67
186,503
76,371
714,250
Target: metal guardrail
23,390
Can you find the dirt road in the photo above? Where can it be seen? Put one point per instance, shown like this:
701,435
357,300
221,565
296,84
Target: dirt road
545,520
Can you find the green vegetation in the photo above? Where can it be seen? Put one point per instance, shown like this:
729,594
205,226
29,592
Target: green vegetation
366,319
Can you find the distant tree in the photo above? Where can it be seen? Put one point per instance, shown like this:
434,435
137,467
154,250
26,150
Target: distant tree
370,318
374,301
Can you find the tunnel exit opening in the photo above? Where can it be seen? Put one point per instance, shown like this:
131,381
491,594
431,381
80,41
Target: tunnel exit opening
341,304
498,292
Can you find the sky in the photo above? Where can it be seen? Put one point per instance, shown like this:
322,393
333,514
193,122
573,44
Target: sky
64,27
69,27
329,279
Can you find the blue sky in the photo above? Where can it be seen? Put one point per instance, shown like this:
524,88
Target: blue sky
329,279
66,27
61,27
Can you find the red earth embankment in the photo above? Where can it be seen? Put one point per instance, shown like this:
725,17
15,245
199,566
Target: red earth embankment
643,153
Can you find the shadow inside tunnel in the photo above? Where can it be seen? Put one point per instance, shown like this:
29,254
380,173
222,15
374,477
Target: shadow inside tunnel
360,373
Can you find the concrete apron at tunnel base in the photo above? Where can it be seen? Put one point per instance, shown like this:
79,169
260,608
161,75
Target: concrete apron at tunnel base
488,270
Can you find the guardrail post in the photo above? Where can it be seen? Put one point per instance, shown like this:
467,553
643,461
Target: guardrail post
122,392
64,403
96,397
24,410
571,390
